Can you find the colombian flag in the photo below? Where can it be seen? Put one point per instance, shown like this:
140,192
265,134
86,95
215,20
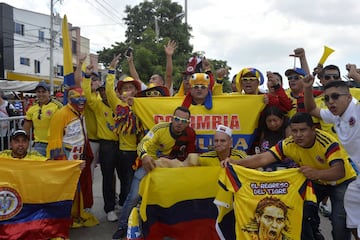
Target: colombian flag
69,79
178,203
36,198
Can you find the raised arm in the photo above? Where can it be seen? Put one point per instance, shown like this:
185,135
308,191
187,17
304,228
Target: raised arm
309,101
91,99
300,53
113,100
132,69
169,51
253,161
353,72
78,71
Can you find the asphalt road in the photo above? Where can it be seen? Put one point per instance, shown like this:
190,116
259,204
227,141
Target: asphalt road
105,229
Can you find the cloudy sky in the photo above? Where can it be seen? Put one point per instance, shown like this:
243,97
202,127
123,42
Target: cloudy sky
257,33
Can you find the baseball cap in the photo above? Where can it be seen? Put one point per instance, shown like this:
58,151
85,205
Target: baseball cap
224,129
299,71
17,133
43,85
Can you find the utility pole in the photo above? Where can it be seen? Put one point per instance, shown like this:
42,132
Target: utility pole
185,10
51,76
157,30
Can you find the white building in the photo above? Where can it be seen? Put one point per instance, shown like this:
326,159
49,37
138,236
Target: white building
25,48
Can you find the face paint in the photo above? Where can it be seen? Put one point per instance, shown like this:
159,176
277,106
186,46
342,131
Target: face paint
77,99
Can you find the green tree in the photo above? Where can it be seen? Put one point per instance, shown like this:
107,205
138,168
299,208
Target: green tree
148,41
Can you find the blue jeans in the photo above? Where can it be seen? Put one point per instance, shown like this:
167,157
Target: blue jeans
311,218
41,148
132,198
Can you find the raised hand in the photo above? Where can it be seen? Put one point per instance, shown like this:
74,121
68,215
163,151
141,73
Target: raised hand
308,81
298,52
115,60
170,47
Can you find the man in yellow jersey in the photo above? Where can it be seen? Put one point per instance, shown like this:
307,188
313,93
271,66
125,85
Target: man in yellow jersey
39,116
172,140
19,144
128,126
108,140
68,141
91,126
321,160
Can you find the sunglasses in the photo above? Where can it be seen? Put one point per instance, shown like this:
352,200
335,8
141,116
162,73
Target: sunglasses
249,79
332,76
199,87
295,77
334,96
153,94
39,114
182,120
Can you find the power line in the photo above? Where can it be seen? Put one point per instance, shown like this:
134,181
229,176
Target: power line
105,13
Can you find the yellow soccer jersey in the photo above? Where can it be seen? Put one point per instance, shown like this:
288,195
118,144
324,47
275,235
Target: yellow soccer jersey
40,117
160,141
157,142
325,151
127,140
32,155
104,114
211,158
260,197
90,116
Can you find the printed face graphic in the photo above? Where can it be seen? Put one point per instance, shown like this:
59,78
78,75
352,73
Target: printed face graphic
271,223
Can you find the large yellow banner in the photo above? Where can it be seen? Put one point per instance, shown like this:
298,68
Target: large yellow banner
239,112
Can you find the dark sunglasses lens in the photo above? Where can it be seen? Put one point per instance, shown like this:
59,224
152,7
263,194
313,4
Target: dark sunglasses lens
333,96
335,77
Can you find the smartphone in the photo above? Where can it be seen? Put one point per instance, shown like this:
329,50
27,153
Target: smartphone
129,51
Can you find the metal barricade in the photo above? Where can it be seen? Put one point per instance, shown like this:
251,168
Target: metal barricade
8,125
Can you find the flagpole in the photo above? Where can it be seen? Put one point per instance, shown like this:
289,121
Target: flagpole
51,76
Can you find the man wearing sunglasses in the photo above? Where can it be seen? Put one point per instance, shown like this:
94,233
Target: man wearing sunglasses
295,92
344,113
39,116
175,139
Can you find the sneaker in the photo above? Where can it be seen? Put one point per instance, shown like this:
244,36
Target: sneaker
324,210
119,234
111,216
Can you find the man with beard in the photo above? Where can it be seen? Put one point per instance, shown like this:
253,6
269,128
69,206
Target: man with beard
321,160
172,140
